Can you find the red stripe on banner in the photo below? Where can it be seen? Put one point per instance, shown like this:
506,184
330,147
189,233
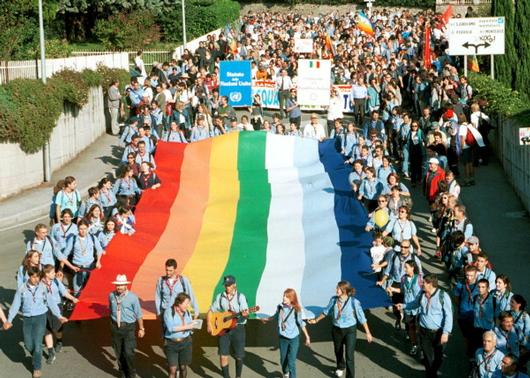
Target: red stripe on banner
126,254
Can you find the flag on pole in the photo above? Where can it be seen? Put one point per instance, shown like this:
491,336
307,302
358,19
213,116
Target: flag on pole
472,64
427,60
364,24
447,14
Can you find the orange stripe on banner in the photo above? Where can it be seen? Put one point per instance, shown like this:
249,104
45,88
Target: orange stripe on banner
184,225
126,254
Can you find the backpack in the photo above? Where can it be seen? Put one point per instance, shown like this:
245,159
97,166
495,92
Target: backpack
470,138
441,295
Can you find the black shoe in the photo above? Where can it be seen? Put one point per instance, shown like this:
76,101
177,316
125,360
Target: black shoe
58,346
51,357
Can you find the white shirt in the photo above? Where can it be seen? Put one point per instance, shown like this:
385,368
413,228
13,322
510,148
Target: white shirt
462,132
377,253
475,117
140,64
314,131
335,108
287,83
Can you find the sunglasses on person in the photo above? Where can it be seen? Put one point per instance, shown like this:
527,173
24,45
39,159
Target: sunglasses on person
405,246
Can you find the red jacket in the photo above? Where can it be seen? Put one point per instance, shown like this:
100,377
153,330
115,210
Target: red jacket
432,183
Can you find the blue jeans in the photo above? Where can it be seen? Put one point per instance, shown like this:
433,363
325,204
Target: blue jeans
288,353
405,163
33,328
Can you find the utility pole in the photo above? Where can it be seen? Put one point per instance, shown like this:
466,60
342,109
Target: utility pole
46,149
184,39
369,5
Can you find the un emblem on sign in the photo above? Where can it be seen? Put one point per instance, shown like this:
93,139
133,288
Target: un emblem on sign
235,96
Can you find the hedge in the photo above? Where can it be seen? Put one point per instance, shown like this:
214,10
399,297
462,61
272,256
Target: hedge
29,109
499,98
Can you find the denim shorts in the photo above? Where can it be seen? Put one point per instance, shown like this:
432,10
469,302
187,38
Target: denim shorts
178,353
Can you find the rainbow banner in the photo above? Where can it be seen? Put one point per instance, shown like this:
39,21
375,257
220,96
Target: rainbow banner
274,211
364,24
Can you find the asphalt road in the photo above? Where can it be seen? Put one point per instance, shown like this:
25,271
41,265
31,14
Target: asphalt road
87,351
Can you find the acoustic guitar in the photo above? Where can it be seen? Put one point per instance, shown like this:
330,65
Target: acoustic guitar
221,322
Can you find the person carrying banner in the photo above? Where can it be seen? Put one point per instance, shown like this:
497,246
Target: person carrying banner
289,317
346,313
169,286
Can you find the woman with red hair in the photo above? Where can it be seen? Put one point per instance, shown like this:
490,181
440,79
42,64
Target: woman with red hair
289,317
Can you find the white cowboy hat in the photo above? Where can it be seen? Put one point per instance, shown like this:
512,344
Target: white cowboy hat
121,279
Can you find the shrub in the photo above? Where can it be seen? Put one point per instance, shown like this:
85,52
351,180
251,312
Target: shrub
29,109
127,31
202,16
500,98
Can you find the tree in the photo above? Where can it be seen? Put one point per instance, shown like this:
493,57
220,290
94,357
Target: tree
18,27
505,64
522,46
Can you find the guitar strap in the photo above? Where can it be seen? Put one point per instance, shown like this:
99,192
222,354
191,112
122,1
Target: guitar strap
229,302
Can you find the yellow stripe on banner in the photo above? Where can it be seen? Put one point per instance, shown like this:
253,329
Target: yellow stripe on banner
211,252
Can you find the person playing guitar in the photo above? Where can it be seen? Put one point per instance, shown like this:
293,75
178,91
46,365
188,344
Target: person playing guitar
230,300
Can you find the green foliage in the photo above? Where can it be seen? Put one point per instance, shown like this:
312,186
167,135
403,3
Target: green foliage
202,16
17,27
505,64
110,74
500,98
127,31
522,46
29,109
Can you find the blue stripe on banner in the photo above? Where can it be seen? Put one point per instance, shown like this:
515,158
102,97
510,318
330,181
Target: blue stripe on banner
351,219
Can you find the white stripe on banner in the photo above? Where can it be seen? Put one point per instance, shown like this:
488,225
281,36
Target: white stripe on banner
322,251
284,267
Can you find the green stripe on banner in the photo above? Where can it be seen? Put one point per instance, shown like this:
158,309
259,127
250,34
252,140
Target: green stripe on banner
249,243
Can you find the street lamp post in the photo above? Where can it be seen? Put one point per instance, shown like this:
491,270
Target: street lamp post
46,150
184,39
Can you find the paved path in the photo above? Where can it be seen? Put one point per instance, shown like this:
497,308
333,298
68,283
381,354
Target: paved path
495,212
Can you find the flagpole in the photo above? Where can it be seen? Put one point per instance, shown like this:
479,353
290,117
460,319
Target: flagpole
465,65
492,67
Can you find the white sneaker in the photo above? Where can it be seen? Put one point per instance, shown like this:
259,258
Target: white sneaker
286,375
339,372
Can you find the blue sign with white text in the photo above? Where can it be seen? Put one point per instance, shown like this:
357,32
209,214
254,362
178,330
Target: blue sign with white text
236,82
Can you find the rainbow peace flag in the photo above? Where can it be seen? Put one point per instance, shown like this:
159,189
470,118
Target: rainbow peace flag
274,211
364,24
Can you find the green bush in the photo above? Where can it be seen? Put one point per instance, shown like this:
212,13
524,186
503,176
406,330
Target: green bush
110,74
500,99
127,31
202,16
29,109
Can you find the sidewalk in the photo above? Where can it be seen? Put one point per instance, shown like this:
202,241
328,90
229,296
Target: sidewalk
95,162
501,223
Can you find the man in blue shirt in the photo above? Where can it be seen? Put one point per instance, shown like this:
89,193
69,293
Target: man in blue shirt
234,301
464,294
125,311
488,359
169,286
34,300
436,323
484,304
86,254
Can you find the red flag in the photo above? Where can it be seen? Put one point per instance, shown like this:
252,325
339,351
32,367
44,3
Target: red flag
447,14
427,60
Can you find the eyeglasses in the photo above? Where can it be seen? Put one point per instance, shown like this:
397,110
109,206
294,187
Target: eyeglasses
405,246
